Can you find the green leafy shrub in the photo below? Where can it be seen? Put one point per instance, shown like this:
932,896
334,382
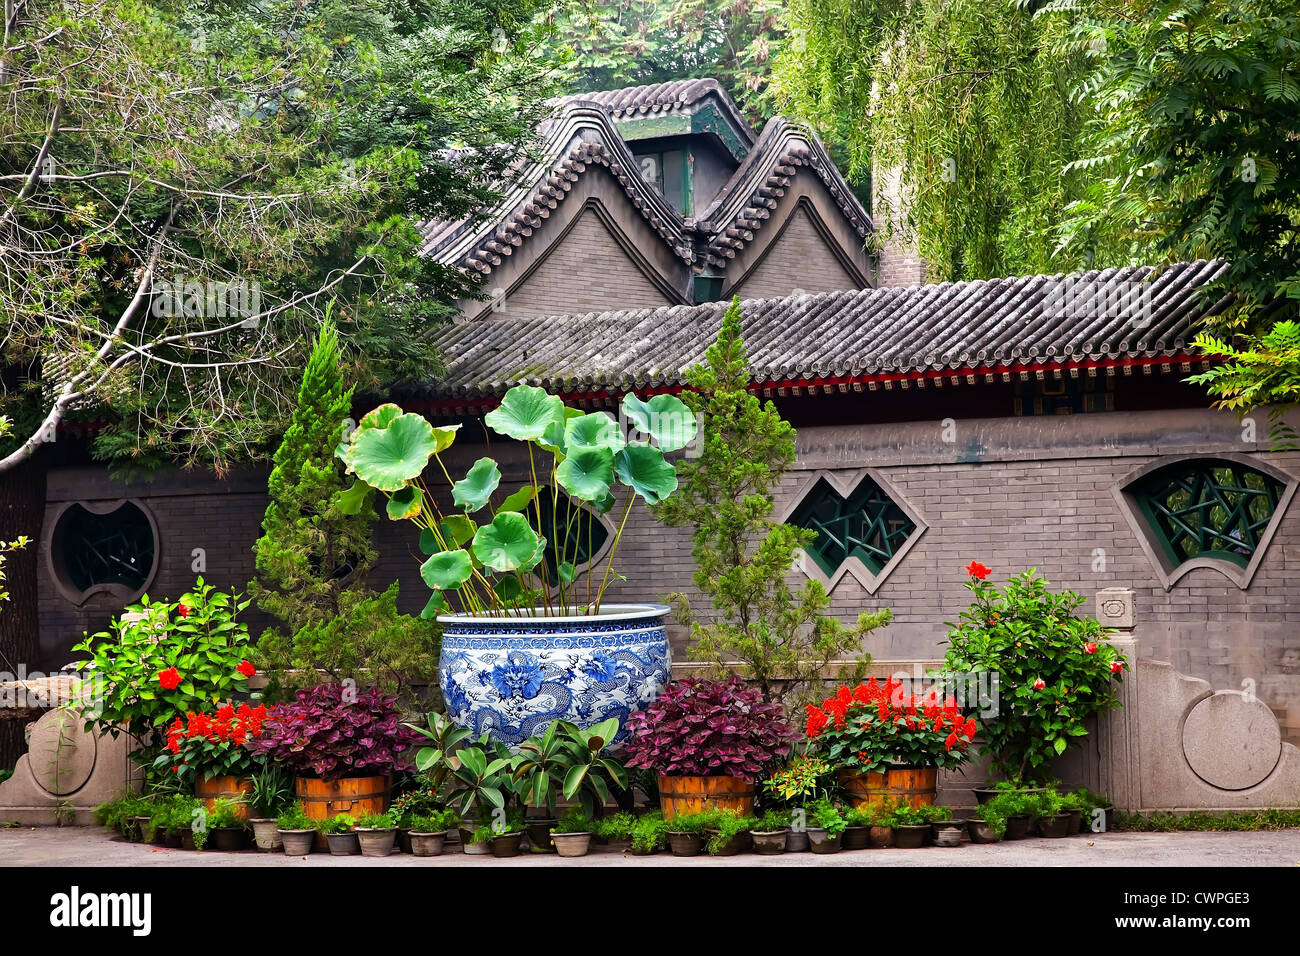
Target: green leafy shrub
295,818
1053,669
343,823
435,822
574,820
824,815
226,814
377,821
906,815
773,820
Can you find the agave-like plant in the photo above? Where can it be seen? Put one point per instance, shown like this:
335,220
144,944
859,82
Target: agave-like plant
486,550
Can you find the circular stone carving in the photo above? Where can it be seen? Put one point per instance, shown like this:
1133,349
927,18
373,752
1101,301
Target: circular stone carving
1232,742
61,769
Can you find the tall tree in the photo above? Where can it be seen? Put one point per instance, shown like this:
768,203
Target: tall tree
967,103
778,637
634,42
312,558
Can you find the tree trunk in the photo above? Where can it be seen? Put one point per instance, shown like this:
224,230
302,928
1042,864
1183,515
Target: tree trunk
22,511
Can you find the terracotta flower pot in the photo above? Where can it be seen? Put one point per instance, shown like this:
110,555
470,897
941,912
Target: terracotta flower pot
297,842
266,834
946,833
427,844
768,842
376,842
880,837
857,838
571,844
343,844
821,841
980,832
507,844
911,838
685,844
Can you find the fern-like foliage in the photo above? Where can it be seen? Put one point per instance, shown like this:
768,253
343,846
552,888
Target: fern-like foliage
1264,372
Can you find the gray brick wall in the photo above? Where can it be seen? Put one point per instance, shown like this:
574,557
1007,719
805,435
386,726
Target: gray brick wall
800,259
588,272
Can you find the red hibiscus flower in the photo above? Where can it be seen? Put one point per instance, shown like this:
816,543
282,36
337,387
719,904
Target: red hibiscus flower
247,669
977,570
1040,684
1090,647
182,610
169,679
1116,667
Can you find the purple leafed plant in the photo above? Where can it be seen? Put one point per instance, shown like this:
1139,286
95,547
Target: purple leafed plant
708,728
329,732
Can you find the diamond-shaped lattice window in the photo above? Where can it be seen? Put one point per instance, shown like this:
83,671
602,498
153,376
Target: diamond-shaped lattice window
1209,508
867,525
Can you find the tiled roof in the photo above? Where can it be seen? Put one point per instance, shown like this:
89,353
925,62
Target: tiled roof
980,328
584,134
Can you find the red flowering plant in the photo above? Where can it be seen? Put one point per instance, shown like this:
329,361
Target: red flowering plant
163,658
876,726
213,744
708,728
1052,667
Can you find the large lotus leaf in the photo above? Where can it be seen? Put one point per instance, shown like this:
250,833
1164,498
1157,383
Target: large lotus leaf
387,458
447,569
507,589
644,470
525,413
352,501
507,543
520,500
604,505
597,430
380,417
405,503
665,418
473,491
457,529
552,439
587,473
435,606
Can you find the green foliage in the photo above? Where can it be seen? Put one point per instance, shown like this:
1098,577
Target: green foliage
1229,820
1195,147
636,42
760,627
824,815
502,570
133,660
314,554
304,166
342,823
226,813
436,822
377,821
574,820
616,826
272,792
6,427
1027,635
1262,373
649,832
967,103
567,761
1007,804
295,818
773,820
906,815
721,826
801,781
119,813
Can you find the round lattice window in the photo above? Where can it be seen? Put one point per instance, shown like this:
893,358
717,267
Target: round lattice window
109,547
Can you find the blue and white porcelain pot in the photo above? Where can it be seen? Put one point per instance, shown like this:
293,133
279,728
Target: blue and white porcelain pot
512,675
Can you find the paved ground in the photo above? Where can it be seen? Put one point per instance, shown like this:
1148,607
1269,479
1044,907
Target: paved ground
85,846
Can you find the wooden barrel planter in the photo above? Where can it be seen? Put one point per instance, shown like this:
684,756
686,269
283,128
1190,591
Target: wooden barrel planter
355,796
224,788
697,794
914,786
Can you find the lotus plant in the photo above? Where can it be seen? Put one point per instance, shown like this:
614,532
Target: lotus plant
490,549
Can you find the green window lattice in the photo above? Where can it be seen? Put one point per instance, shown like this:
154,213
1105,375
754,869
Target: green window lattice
867,525
1209,508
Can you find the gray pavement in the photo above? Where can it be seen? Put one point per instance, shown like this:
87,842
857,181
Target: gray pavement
87,846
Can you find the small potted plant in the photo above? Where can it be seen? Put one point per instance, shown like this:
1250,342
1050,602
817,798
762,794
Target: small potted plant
649,834
880,830
769,836
910,826
1010,814
340,834
428,831
708,741
1050,813
1097,813
686,833
615,830
227,823
944,830
271,794
803,780
728,832
572,833
507,835
825,827
376,834
296,830
857,828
